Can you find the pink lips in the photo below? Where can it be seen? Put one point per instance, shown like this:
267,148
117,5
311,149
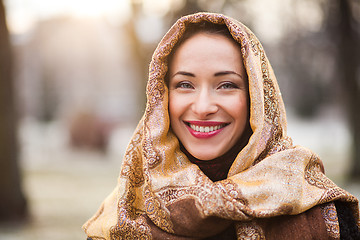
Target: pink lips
204,124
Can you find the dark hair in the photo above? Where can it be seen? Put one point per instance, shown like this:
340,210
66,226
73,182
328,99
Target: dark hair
204,27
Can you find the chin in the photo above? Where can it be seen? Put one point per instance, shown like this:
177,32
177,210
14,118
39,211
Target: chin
205,157
205,151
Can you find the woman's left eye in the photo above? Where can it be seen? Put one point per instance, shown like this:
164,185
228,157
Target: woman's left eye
184,85
228,85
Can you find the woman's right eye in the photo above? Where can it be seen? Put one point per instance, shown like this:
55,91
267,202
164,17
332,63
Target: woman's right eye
185,85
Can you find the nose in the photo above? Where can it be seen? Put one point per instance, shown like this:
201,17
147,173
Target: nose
204,104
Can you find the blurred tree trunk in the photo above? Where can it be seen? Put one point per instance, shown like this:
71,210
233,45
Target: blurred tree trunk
141,55
348,66
12,200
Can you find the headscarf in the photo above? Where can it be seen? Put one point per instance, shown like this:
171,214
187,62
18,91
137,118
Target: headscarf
162,195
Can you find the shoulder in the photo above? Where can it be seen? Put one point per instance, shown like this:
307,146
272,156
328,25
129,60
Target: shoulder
347,222
325,221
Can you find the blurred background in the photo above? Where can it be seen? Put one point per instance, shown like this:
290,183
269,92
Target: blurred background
73,76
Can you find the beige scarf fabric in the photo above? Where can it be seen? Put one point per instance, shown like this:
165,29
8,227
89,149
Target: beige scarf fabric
162,195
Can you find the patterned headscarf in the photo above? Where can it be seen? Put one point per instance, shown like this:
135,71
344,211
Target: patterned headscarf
162,195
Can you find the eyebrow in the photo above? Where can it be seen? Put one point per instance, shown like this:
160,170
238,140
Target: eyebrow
184,74
218,74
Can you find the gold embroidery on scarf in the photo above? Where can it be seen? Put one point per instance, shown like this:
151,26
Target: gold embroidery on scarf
275,141
151,156
132,167
315,177
131,222
214,18
133,170
155,88
229,204
232,192
249,231
331,220
238,35
271,103
173,194
156,212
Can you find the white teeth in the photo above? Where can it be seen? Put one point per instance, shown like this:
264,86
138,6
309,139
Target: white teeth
205,129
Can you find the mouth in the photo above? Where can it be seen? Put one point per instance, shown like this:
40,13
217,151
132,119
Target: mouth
205,129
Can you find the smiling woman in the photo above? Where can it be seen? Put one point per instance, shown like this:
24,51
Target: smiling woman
208,98
211,158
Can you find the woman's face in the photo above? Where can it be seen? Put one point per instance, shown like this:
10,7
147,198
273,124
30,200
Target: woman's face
208,102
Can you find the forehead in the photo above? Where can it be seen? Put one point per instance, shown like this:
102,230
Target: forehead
207,50
203,40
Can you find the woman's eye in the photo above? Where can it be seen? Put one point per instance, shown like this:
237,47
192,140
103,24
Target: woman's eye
228,85
184,85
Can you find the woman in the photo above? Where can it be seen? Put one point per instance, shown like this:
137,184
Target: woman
210,158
